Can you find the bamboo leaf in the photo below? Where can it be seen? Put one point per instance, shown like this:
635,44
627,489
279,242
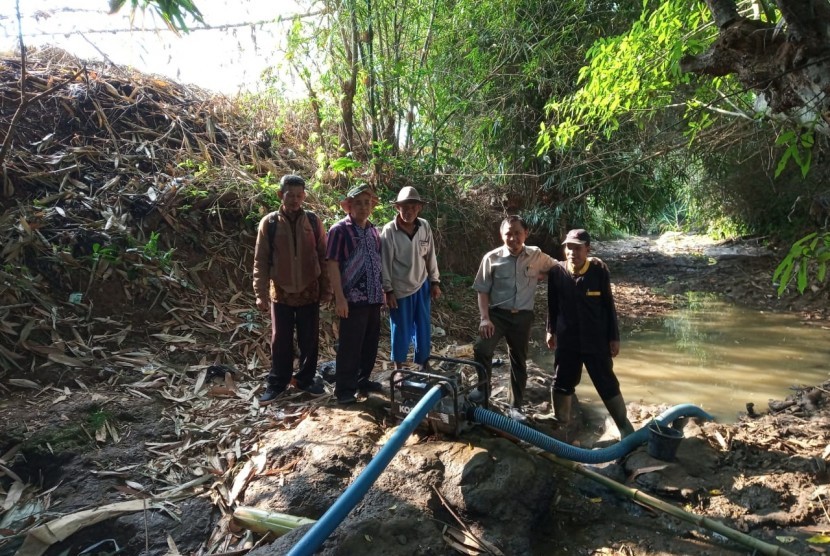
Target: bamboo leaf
24,383
801,279
65,360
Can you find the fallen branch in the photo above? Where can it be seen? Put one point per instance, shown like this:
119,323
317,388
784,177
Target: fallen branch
264,521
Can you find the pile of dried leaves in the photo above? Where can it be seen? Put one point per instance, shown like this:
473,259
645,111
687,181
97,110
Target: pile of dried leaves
126,237
100,190
121,265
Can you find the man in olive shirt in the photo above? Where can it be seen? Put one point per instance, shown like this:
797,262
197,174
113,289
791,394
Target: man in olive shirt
506,285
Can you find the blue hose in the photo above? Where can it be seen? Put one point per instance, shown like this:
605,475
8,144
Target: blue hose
338,511
581,455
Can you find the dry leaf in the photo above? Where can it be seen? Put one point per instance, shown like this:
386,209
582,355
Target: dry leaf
173,550
15,491
135,485
113,432
174,339
24,383
65,360
241,481
40,538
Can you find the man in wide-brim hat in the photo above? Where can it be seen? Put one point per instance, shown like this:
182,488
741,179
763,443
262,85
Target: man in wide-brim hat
410,277
354,264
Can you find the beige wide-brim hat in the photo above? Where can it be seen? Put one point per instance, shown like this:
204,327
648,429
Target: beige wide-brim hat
354,192
408,194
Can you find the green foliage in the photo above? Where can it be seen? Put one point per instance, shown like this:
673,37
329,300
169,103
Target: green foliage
799,149
466,102
108,253
384,211
49,441
152,252
346,165
547,218
671,218
268,190
809,252
628,75
726,227
173,12
198,168
633,100
98,418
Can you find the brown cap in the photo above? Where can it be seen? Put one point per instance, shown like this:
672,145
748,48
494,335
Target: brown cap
579,236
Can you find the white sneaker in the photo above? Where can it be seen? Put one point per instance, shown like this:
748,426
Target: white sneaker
516,414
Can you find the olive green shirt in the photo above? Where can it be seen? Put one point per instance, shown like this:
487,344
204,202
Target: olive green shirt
511,280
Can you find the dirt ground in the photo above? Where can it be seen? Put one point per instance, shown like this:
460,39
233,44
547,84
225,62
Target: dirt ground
479,493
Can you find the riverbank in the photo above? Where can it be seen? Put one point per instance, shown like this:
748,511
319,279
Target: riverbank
199,433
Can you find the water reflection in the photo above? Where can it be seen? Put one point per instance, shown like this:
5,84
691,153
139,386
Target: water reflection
716,356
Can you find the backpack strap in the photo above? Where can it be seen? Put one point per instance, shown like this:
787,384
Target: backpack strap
272,231
314,221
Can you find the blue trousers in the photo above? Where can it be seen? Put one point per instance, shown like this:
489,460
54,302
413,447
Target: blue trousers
409,323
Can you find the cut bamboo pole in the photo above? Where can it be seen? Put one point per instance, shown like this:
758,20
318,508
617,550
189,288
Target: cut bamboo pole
263,521
701,521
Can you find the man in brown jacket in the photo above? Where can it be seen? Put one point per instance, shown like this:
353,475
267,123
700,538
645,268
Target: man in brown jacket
290,278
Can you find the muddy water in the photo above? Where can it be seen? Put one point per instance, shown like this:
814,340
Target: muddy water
717,356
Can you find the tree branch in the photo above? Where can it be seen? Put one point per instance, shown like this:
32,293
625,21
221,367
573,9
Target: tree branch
205,27
724,12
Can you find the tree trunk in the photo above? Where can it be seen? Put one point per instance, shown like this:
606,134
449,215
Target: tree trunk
789,70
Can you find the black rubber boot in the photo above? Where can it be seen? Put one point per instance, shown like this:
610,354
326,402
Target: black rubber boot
616,407
562,407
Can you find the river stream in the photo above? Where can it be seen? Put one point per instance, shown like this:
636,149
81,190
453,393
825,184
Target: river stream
717,356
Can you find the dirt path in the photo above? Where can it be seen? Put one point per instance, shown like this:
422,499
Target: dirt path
649,272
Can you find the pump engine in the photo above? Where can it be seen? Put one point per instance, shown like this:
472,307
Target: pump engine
458,378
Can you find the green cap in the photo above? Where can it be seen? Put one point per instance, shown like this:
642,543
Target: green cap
358,189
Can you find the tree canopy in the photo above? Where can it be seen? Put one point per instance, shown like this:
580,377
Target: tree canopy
613,114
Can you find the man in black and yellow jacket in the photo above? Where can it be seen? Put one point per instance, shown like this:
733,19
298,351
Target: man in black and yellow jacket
582,328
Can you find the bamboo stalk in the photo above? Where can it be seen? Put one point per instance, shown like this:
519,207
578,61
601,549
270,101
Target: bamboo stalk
263,521
701,521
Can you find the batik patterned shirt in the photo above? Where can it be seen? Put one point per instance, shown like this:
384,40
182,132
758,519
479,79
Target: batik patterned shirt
357,252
